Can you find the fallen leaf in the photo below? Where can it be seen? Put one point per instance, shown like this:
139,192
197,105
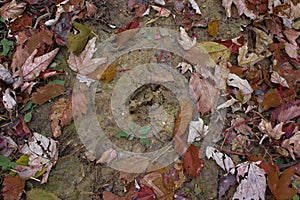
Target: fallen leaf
224,161
225,182
197,130
21,23
76,42
162,12
185,41
47,92
160,2
110,196
21,128
62,29
292,144
240,5
12,187
291,50
85,64
131,25
5,75
242,84
203,92
125,36
274,133
195,6
246,59
12,10
218,52
272,99
34,66
289,113
9,99
107,156
213,27
108,74
40,194
91,9
252,181
192,163
276,78
185,67
7,145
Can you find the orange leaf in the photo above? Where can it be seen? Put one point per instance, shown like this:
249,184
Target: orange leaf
213,27
108,74
47,92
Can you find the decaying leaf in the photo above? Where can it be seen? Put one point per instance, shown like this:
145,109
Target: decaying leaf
162,12
13,187
192,163
108,74
107,156
47,92
34,66
185,67
185,41
292,144
240,5
197,130
9,99
276,78
243,85
76,42
289,113
7,145
195,6
274,133
252,181
246,59
224,161
12,10
40,194
271,99
85,64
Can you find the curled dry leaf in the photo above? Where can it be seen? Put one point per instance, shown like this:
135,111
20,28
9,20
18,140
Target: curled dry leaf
34,66
195,6
185,41
274,133
293,144
162,12
47,92
13,187
12,10
9,99
276,78
224,161
185,67
85,64
243,85
240,5
252,181
197,130
246,59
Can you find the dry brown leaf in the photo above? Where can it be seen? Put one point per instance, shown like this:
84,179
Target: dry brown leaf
246,59
47,92
12,10
56,113
240,5
162,12
275,132
34,66
13,187
293,144
272,99
85,64
124,36
107,156
289,113
213,27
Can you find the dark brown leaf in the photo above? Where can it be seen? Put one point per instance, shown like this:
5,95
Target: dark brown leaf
13,187
47,92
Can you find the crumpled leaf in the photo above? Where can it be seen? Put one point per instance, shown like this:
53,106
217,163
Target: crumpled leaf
240,5
203,92
276,78
252,181
246,59
76,42
195,6
12,10
47,92
34,66
42,152
91,9
13,187
7,145
185,41
5,75
40,194
192,163
197,130
85,64
292,144
162,12
291,50
9,99
242,84
224,161
185,67
107,156
274,133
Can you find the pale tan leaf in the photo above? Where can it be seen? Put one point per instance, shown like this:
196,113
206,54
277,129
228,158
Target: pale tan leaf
293,144
34,66
197,130
195,6
107,156
12,10
240,5
243,85
246,59
185,41
185,67
274,133
276,78
85,64
162,12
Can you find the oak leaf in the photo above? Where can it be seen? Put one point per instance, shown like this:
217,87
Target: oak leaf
85,64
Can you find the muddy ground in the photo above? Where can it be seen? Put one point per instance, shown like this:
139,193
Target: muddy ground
74,176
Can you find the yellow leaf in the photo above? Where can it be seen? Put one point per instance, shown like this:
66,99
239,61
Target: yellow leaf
213,27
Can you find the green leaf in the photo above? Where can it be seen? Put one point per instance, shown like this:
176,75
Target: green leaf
145,141
28,105
28,117
216,51
57,81
121,134
197,144
23,160
7,44
76,42
40,194
2,20
144,130
40,173
5,163
296,197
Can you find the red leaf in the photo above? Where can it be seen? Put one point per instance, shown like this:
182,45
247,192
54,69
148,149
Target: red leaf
192,163
110,196
13,187
132,25
145,193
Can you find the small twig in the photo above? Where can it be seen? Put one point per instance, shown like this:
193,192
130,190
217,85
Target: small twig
287,165
233,152
48,14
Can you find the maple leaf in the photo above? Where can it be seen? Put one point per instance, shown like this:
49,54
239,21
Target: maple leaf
275,132
203,92
252,181
47,92
185,41
34,66
192,163
12,187
12,10
85,64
